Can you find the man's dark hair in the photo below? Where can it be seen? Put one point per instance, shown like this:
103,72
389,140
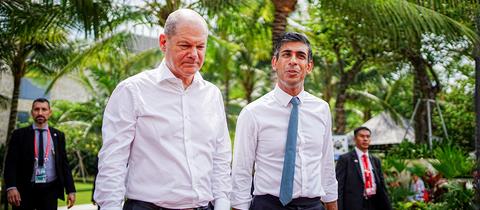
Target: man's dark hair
41,100
359,129
292,37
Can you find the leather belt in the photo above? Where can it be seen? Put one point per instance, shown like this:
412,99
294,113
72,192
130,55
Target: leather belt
152,206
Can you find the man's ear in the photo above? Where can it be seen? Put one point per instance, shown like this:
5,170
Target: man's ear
310,66
163,42
274,62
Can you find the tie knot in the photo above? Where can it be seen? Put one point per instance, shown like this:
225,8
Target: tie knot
40,130
295,101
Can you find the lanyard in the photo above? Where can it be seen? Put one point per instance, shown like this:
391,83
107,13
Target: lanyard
47,149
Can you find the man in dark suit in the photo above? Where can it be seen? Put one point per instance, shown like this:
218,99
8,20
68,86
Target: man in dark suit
361,185
36,167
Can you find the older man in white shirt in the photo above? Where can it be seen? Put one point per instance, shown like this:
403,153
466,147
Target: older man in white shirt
165,138
287,134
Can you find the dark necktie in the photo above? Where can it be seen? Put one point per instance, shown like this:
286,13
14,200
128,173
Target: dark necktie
41,156
286,186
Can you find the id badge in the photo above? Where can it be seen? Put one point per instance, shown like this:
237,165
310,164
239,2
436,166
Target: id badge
370,191
40,175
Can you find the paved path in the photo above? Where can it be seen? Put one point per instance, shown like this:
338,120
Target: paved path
80,207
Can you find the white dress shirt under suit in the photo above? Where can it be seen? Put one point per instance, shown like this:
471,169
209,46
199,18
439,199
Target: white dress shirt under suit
260,138
362,168
164,144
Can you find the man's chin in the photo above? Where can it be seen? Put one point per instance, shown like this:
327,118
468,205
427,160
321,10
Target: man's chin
190,69
40,121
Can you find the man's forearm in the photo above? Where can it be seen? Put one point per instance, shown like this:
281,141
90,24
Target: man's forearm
331,205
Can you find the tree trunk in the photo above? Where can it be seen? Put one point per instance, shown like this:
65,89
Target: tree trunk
248,83
367,114
283,8
12,119
423,90
345,80
82,170
18,71
476,55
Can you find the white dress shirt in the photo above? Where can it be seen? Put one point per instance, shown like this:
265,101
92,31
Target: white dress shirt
260,138
164,144
362,168
49,164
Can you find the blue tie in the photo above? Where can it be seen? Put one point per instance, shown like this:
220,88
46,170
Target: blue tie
286,187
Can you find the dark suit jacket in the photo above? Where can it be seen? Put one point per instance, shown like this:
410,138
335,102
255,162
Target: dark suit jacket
20,161
351,185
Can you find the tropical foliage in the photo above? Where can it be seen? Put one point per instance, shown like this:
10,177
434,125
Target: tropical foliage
370,56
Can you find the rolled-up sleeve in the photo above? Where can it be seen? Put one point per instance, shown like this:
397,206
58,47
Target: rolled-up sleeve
118,132
329,180
243,161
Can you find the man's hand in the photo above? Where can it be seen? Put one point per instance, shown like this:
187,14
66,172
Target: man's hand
331,205
13,197
70,200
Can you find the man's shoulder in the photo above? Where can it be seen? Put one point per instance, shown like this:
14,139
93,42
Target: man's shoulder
347,155
260,103
375,158
54,130
314,99
23,129
210,86
140,77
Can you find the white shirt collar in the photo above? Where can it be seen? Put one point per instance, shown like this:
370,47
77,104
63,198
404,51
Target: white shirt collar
284,98
166,74
35,127
360,152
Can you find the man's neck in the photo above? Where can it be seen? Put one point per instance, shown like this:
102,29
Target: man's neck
43,125
293,91
186,79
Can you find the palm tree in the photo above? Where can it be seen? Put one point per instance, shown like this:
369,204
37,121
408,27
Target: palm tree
238,49
476,55
32,31
401,25
283,8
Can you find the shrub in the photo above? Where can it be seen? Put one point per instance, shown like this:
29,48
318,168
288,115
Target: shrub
452,162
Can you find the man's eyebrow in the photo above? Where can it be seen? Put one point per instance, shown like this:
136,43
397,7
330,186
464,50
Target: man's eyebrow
289,51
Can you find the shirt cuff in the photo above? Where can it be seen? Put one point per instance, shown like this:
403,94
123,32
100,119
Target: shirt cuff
329,198
11,188
221,204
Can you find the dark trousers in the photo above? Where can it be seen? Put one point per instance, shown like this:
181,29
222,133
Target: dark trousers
131,204
270,202
39,197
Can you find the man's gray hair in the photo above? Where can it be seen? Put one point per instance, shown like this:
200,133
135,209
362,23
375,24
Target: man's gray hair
175,17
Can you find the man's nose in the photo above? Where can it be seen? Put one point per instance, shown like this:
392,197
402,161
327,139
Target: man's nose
293,60
193,53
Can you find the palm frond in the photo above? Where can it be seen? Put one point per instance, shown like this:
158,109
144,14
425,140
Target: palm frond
91,54
400,20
